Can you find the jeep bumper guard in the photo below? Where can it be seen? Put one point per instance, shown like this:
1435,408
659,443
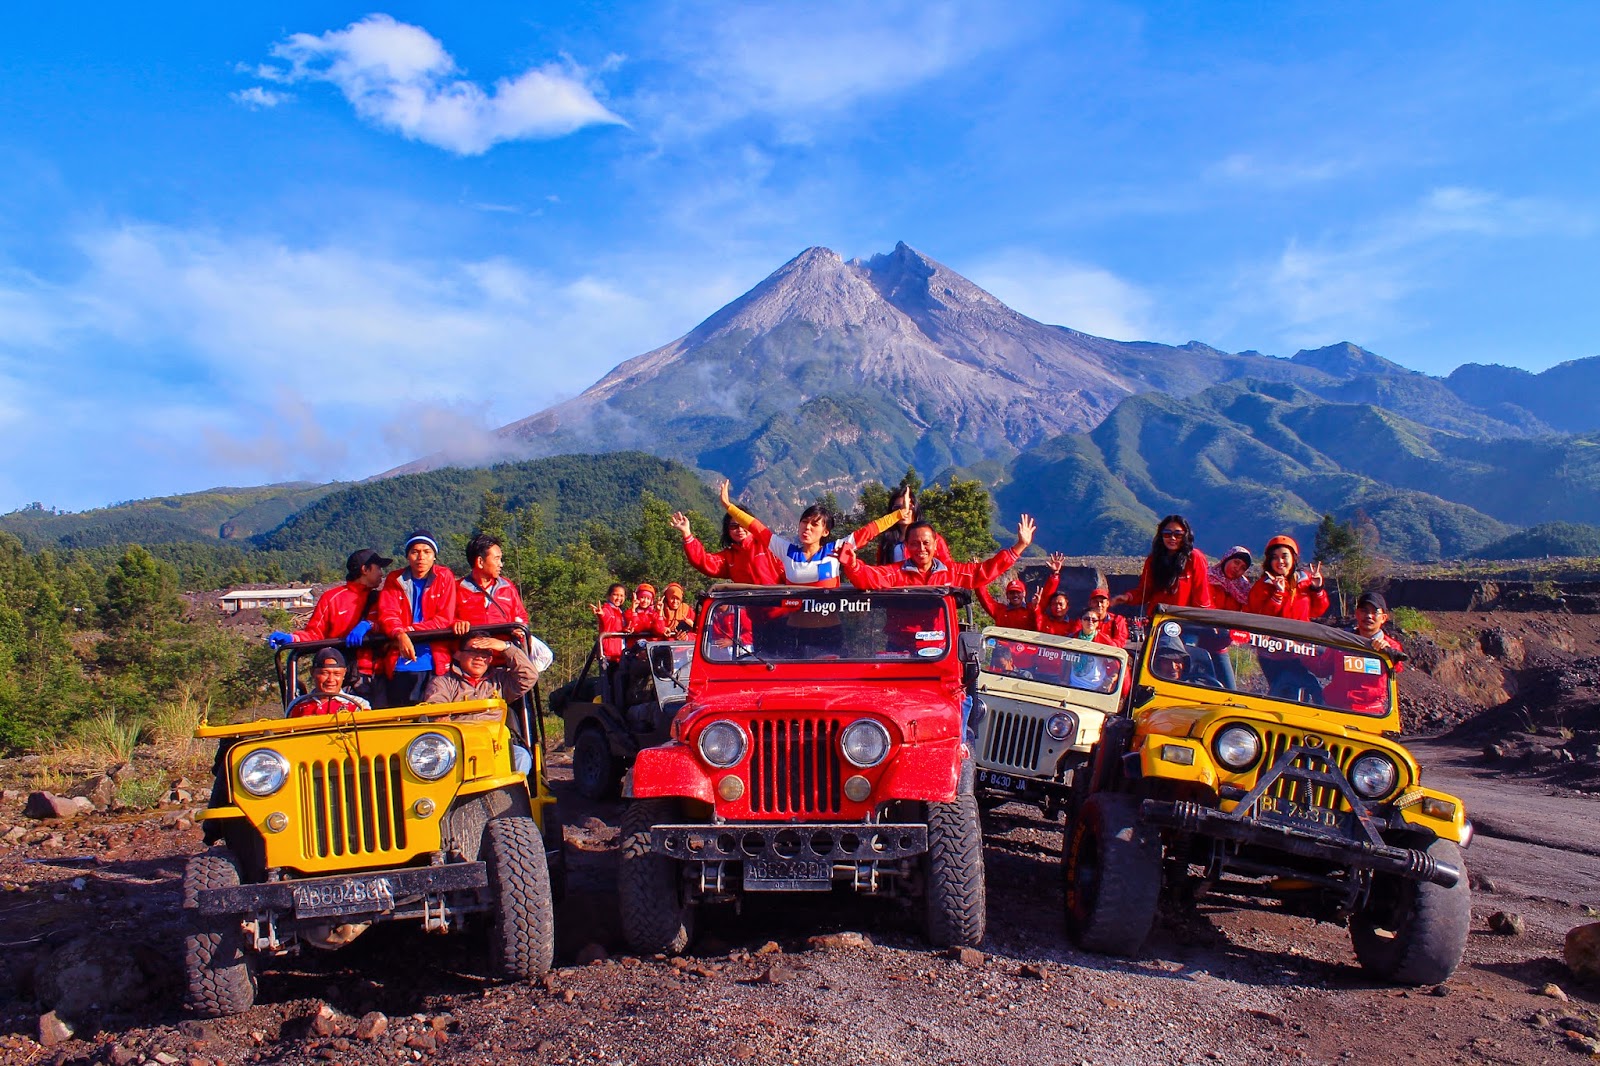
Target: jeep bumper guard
406,885
852,842
1246,825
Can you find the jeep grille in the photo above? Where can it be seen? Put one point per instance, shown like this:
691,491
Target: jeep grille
1014,740
795,766
353,806
1275,742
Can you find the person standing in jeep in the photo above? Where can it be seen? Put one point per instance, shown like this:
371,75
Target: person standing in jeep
1015,612
420,596
1174,572
924,567
346,611
740,560
1098,623
484,597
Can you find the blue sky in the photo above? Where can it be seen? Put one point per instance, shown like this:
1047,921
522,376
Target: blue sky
240,247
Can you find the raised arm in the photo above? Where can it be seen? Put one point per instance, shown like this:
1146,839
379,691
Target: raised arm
711,564
863,536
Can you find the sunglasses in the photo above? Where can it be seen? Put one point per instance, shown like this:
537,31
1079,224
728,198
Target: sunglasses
1172,533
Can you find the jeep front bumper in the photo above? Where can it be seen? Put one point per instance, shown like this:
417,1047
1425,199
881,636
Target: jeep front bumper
383,893
845,843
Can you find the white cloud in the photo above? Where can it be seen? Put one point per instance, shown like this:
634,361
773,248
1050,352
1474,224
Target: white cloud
258,98
1248,169
399,77
1066,293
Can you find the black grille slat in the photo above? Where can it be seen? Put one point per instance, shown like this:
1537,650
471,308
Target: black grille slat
795,767
1014,740
353,806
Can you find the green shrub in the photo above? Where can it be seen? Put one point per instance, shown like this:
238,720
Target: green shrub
1411,620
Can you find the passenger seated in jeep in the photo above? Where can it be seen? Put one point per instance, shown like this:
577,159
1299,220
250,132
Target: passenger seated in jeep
484,597
327,695
813,559
473,675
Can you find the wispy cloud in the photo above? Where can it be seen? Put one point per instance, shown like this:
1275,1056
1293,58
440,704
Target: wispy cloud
399,77
1247,168
259,98
1067,293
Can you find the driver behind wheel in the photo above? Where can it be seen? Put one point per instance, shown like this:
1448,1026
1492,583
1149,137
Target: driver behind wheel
1170,661
327,695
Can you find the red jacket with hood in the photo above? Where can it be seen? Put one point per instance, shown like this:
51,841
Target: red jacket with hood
1192,589
438,612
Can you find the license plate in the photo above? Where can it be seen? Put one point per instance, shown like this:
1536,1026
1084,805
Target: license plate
788,875
343,896
1292,812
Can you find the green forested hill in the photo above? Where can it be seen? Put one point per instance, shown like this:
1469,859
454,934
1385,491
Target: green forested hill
570,490
230,514
1244,462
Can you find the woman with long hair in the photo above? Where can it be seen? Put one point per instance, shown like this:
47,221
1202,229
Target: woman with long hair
1174,572
812,558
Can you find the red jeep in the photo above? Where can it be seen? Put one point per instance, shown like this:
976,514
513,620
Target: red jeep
820,745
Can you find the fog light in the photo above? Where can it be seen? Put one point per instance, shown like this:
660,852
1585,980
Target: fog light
1177,753
730,788
1434,807
423,807
857,788
277,822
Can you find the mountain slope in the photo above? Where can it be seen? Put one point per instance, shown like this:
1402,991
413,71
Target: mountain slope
230,514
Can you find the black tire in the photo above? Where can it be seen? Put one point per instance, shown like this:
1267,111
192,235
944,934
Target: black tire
463,827
219,974
596,773
1112,870
522,939
1414,932
656,919
957,901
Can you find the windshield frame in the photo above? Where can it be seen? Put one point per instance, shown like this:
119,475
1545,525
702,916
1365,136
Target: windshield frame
793,599
1116,664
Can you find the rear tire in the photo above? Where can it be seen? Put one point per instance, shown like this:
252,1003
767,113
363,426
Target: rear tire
596,773
655,917
522,942
957,900
219,973
1112,868
1414,932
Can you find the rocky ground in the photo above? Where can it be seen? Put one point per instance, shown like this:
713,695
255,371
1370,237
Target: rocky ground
91,934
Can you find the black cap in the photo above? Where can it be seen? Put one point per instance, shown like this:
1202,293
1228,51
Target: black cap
328,657
1374,600
360,560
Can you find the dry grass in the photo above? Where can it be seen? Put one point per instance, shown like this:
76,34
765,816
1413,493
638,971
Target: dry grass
173,724
107,737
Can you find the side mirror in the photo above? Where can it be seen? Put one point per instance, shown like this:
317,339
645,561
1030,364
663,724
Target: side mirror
661,661
970,645
1143,694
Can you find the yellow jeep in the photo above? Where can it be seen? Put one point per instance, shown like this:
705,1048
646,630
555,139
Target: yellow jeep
1258,764
327,823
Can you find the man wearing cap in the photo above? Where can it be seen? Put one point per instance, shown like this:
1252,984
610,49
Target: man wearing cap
419,596
327,695
483,597
1098,624
1015,612
474,675
1355,689
346,611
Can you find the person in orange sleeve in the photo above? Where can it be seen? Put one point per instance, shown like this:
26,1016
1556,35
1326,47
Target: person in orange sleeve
420,596
892,542
741,558
346,612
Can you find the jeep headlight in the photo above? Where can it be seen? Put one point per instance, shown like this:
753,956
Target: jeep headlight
1062,726
263,772
1237,747
722,743
1373,775
864,743
431,756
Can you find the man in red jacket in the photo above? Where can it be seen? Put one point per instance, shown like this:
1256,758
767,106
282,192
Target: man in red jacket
346,611
420,596
484,598
924,567
1354,684
327,695
1015,612
1098,624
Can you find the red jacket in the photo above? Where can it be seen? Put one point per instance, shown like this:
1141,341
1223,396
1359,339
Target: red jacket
749,565
1010,617
485,607
896,552
960,575
1354,688
1299,601
1192,589
610,620
316,703
438,612
1041,618
336,614
1112,631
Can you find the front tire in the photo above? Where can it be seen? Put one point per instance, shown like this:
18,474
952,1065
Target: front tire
219,973
1414,932
522,942
957,899
1112,868
596,773
655,917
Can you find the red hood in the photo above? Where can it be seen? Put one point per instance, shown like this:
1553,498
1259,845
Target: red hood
899,703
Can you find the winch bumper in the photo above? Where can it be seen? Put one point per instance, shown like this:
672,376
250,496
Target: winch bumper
847,842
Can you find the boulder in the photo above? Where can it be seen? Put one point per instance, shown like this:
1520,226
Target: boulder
1582,951
53,1029
89,975
1507,924
99,790
50,805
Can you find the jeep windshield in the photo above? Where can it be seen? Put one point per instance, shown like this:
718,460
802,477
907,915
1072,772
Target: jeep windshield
1278,666
1054,666
793,624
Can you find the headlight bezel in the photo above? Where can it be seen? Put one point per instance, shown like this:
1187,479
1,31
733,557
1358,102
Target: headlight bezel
1237,766
279,762
723,727
1376,757
449,763
863,726
1068,728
